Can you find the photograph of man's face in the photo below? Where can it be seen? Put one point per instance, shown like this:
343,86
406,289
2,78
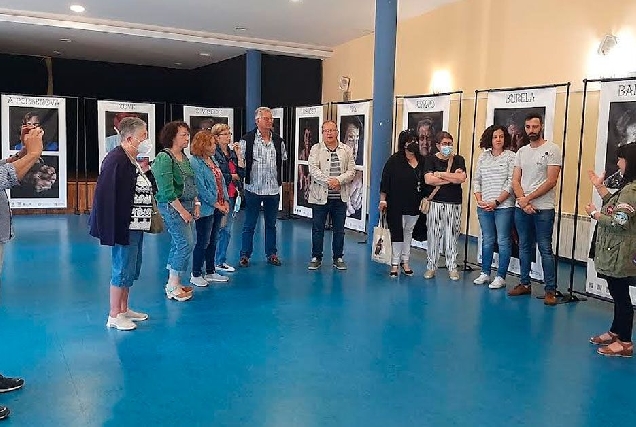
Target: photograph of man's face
426,126
352,134
621,130
45,118
514,120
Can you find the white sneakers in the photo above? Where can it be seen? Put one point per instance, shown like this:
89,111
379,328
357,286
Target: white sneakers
483,278
215,277
226,268
498,283
121,323
198,281
429,274
453,275
124,321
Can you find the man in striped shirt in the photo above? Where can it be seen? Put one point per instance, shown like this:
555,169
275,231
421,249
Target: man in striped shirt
264,153
331,169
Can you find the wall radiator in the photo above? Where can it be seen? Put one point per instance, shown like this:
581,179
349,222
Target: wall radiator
582,244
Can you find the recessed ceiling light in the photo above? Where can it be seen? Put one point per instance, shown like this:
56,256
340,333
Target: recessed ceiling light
240,28
295,1
65,40
177,63
204,54
57,52
77,8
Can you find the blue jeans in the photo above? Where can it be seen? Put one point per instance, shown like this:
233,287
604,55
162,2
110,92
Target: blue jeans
183,236
205,249
338,211
127,261
534,230
224,235
252,211
496,226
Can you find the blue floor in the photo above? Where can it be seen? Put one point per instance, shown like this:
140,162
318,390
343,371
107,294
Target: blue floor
281,346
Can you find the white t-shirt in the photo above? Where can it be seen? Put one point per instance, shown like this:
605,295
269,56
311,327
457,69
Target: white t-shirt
534,163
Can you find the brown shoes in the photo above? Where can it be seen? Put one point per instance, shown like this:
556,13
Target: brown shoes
520,290
550,298
604,339
617,349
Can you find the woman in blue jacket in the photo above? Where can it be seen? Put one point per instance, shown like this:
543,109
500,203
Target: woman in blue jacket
214,207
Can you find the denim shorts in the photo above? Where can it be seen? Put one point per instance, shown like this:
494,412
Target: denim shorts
127,261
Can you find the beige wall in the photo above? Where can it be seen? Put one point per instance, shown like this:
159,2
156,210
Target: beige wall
483,44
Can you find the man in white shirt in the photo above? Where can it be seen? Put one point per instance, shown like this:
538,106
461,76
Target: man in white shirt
537,168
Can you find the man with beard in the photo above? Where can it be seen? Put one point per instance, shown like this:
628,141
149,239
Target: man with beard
537,168
425,134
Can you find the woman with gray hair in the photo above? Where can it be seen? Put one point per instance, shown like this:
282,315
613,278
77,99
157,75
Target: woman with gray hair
122,208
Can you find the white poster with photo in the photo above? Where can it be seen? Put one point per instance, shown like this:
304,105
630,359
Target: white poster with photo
427,115
354,130
509,109
308,123
203,118
111,113
616,127
278,115
45,184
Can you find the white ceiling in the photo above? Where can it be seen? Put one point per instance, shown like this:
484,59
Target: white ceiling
174,33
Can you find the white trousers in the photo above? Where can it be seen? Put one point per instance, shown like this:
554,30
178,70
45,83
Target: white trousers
443,222
401,251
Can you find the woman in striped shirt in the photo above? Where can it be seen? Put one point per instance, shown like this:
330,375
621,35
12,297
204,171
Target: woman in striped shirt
495,202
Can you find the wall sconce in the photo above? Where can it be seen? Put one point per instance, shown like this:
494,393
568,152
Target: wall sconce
608,43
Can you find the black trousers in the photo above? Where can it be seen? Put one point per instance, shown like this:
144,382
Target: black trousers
623,311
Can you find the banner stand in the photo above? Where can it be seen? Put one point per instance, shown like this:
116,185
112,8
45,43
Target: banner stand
468,265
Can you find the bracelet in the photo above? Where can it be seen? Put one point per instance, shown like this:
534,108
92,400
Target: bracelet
497,202
197,203
594,212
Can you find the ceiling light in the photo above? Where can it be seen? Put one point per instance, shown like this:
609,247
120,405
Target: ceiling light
57,52
295,1
240,28
204,54
177,63
65,40
77,8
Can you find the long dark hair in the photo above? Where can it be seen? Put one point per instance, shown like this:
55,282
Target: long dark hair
405,137
486,137
628,152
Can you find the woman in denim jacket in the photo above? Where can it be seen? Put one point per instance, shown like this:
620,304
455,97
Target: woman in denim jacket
214,207
233,167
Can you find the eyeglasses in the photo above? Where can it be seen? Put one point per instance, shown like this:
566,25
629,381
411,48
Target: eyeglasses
226,133
183,134
330,130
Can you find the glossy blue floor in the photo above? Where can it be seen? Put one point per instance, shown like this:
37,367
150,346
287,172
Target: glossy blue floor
282,346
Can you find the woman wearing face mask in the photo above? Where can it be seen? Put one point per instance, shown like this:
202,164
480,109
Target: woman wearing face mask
614,251
401,190
495,202
448,172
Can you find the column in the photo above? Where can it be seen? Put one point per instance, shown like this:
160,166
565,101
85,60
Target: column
383,96
252,85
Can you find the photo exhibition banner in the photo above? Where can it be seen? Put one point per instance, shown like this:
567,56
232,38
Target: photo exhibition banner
44,186
616,127
427,115
278,115
111,113
201,118
509,109
353,127
308,124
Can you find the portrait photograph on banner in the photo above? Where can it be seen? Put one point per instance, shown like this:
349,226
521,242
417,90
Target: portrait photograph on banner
109,116
509,109
353,120
201,118
616,127
278,115
308,124
45,184
427,115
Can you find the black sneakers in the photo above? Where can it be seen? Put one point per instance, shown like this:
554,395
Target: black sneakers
10,384
4,412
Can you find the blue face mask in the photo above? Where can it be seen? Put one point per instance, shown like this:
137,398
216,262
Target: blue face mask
446,150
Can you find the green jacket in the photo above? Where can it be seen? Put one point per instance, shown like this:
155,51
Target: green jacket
169,177
615,254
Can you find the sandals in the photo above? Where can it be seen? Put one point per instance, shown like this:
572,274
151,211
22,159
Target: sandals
177,294
605,338
406,272
617,349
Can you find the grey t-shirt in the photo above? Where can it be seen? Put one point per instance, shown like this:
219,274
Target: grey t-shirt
534,163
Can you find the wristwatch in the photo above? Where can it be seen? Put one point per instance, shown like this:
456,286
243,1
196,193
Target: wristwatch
497,202
197,203
594,212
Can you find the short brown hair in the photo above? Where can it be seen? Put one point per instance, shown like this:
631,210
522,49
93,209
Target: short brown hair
169,132
441,135
202,139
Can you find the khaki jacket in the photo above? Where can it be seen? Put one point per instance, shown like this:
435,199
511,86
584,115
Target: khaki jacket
319,165
615,253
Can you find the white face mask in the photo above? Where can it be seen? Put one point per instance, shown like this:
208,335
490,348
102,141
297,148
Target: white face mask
145,148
